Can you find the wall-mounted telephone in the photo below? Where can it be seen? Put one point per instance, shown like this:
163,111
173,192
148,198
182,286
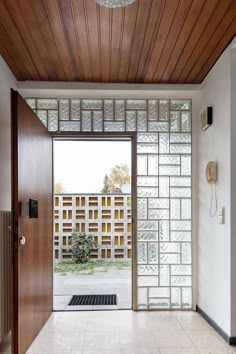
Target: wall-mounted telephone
211,177
211,172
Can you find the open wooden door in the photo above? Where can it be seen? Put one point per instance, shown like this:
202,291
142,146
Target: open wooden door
32,280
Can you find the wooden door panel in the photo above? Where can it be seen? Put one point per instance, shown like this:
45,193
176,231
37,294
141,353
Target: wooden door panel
32,269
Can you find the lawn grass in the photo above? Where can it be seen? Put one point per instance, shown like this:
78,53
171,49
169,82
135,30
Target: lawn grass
89,267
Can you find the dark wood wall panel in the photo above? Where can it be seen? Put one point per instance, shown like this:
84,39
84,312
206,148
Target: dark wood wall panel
152,41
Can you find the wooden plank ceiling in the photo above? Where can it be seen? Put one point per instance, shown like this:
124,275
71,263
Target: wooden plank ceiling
150,41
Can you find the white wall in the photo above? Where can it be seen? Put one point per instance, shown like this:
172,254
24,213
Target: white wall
7,81
214,242
233,190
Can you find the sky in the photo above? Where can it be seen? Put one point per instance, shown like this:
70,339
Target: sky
81,165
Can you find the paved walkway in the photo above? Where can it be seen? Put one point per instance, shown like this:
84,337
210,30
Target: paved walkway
113,281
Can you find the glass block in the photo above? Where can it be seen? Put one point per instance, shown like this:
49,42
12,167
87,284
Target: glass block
158,303
142,252
158,214
74,109
164,143
64,109
174,121
164,187
186,207
53,120
136,104
108,110
169,258
147,225
119,110
186,121
148,280
148,270
157,203
47,103
180,138
159,292
141,121
152,253
164,275
180,236
142,165
147,181
164,233
175,297
179,192
158,126
185,165
169,247
147,148
181,269
69,126
114,126
180,104
180,148
142,298
152,165
152,109
131,125
180,225
31,102
169,170
175,209
186,253
164,109
92,104
178,280
147,236
142,208
147,192
169,160
97,121
186,298
147,138
180,181
86,121
42,114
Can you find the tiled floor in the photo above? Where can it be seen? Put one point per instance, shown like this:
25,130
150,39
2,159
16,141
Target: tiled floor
128,332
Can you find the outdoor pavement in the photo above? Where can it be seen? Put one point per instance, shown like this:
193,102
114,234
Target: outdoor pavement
112,281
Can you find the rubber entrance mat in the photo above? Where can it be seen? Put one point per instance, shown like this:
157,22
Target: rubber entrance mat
93,300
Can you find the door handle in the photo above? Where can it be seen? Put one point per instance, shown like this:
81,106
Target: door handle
22,240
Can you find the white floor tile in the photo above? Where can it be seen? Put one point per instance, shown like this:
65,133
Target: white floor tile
128,332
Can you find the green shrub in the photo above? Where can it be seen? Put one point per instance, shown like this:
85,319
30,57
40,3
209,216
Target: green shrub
82,246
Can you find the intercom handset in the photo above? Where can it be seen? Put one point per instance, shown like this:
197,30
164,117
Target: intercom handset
211,172
211,177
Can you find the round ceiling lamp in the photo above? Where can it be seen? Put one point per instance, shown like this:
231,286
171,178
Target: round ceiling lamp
114,3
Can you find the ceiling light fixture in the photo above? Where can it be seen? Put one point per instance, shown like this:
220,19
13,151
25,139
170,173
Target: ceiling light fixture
114,3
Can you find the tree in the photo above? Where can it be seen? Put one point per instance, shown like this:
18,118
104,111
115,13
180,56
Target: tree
106,187
58,188
120,175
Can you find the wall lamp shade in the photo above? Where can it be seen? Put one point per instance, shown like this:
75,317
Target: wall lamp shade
114,3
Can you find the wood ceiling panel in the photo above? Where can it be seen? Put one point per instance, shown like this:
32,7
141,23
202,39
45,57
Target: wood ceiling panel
153,41
117,25
205,38
127,40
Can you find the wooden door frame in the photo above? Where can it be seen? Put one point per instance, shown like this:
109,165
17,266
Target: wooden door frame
116,136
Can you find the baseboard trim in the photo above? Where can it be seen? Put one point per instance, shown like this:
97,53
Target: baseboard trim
228,339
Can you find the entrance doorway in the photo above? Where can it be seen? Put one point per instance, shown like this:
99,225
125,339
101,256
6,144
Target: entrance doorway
92,224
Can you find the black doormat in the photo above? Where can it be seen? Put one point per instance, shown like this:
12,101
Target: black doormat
93,300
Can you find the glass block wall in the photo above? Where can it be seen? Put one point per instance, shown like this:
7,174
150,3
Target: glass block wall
164,184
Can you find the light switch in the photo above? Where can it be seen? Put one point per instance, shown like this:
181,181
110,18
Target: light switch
221,215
